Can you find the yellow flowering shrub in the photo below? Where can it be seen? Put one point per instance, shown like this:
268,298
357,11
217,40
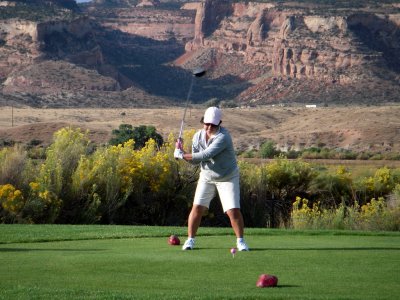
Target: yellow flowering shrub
11,199
376,215
42,205
303,216
62,158
285,180
99,180
109,176
382,183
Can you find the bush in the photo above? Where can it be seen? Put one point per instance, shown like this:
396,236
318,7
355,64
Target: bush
12,201
212,102
333,188
13,163
42,205
255,196
140,135
62,158
285,180
268,150
381,184
123,185
375,215
99,184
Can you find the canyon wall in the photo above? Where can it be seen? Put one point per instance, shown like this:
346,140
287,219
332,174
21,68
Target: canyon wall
297,42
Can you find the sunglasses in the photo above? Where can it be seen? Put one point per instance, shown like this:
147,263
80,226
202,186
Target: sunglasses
210,124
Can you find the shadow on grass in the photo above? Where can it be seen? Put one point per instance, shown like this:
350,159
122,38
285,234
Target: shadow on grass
35,249
329,249
309,249
286,286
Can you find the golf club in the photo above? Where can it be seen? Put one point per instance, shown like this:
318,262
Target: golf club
197,72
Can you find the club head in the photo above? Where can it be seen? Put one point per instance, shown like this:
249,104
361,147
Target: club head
199,72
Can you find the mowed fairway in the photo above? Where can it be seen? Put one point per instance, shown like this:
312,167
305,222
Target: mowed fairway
111,265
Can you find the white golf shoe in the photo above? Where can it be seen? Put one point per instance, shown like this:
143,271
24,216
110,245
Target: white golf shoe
188,245
242,246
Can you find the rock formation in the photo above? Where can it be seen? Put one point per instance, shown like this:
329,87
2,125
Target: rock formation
299,43
148,3
256,52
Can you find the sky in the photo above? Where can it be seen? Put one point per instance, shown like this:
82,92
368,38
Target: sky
80,1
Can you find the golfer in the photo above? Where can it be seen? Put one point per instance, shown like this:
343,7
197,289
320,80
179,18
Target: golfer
212,148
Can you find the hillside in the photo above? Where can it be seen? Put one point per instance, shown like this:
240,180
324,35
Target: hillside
358,128
126,53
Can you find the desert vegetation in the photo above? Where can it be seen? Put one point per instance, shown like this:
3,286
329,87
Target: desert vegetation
268,149
76,182
41,12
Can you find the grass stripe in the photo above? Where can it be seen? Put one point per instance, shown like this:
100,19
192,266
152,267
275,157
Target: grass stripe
309,266
47,233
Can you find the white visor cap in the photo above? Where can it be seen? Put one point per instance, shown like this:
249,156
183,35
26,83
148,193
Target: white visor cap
212,115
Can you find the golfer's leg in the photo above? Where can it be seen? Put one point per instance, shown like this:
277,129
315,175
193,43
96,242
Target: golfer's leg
237,223
195,219
205,192
229,193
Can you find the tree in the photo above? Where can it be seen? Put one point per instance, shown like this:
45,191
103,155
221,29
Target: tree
140,135
268,150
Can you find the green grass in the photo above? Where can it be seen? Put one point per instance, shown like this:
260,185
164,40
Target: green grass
129,262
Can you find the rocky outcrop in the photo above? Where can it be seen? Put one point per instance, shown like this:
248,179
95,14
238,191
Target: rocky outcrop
45,77
299,43
27,41
209,14
69,4
256,52
150,22
148,3
28,46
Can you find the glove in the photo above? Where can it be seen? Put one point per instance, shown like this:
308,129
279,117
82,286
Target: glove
178,153
179,144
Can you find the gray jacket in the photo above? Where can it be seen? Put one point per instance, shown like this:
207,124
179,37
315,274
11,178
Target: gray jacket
217,158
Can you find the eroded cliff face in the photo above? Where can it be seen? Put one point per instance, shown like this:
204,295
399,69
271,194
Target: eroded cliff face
255,53
28,45
28,40
147,20
299,42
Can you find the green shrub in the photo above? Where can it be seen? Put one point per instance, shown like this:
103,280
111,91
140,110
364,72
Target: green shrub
62,158
333,188
285,180
212,102
379,185
13,162
249,153
99,185
140,135
255,196
124,185
268,150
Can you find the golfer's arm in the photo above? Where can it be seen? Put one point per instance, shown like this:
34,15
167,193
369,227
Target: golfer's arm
187,156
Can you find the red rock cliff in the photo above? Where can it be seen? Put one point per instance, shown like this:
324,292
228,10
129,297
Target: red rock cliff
297,42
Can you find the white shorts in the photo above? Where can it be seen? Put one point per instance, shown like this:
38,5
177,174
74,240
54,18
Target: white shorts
228,191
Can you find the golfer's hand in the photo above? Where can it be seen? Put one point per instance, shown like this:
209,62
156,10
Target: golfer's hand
178,153
179,144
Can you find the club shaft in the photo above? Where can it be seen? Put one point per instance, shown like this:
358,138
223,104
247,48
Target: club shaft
186,106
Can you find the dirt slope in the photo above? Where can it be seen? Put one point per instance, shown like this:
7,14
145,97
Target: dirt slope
356,127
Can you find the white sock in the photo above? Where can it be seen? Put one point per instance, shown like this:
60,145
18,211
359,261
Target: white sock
240,240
